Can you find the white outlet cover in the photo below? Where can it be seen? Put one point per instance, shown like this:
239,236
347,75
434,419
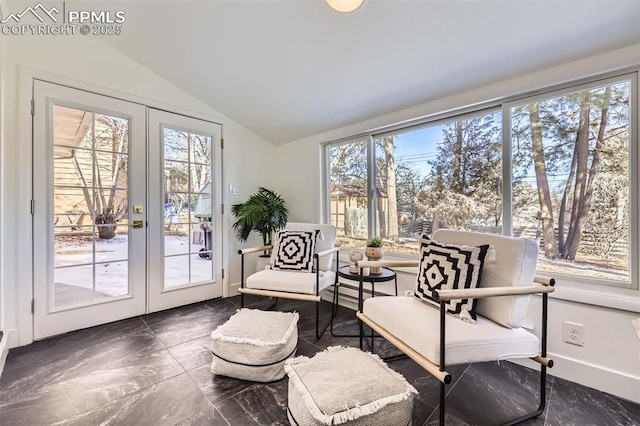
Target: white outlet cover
573,333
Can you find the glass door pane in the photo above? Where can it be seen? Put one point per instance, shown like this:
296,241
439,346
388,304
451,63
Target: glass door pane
187,208
89,171
185,237
90,205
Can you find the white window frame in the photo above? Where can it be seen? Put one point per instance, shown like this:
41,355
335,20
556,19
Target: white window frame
505,105
634,183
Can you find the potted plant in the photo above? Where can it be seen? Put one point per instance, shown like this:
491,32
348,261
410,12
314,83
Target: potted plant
374,251
264,212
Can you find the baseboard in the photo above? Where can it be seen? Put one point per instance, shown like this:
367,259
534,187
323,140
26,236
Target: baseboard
233,289
606,380
4,350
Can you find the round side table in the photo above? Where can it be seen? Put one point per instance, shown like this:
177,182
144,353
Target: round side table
386,275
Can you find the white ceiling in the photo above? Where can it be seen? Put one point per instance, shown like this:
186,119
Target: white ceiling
288,69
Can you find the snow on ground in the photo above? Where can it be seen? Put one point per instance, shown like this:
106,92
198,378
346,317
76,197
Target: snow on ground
74,257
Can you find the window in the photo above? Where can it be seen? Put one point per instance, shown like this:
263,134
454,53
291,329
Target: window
571,164
444,174
565,181
348,190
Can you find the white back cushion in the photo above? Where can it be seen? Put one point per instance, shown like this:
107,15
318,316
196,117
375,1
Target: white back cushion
325,241
515,265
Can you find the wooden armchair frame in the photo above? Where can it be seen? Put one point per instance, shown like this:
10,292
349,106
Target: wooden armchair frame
541,285
317,298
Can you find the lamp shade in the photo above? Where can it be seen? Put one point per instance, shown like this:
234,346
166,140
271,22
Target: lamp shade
345,6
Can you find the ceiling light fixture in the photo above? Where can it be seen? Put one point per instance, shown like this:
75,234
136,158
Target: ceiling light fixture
345,6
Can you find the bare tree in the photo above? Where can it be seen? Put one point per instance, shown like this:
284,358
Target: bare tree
544,195
392,200
569,141
584,175
105,190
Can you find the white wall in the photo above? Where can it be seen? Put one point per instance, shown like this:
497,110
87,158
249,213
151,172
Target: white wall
246,157
610,358
3,342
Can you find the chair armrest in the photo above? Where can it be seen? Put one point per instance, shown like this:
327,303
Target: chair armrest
254,249
327,252
388,263
478,293
544,280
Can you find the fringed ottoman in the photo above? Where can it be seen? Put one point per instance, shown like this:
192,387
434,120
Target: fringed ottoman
346,385
253,345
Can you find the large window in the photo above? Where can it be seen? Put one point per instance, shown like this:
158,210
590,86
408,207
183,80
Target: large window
443,174
566,182
571,157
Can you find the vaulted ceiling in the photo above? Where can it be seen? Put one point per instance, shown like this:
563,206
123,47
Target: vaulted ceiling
288,69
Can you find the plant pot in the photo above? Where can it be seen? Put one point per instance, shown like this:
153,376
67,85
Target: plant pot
375,253
355,256
262,262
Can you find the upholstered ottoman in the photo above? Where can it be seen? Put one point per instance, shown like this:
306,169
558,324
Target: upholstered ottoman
253,345
346,385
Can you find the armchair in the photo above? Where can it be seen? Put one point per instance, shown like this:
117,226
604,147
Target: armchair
434,339
300,285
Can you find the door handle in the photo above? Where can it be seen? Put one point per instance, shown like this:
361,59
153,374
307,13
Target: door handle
134,224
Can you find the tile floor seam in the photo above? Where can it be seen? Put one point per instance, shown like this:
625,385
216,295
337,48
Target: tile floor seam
158,339
208,401
548,407
242,405
137,391
220,400
222,415
454,384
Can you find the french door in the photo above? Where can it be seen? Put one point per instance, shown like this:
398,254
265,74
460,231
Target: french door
89,209
124,215
185,204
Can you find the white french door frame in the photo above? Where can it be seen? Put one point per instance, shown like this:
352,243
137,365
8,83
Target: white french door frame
21,230
158,296
49,319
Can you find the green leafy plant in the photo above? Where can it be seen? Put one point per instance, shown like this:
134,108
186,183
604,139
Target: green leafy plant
264,212
374,242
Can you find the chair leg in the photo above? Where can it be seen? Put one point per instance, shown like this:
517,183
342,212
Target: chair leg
541,406
334,312
543,368
442,397
319,332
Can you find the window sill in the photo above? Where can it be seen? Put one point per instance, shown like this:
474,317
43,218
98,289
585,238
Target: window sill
623,299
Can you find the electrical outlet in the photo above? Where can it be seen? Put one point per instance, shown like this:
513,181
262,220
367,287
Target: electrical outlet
573,333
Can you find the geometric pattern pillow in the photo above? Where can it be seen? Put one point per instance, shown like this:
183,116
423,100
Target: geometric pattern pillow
293,250
447,266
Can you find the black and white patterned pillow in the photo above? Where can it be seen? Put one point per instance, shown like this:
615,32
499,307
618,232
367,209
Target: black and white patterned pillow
293,250
447,266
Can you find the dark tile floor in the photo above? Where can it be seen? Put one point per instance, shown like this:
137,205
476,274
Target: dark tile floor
154,370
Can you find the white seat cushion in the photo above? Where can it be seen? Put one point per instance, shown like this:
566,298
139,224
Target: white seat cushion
290,281
417,324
